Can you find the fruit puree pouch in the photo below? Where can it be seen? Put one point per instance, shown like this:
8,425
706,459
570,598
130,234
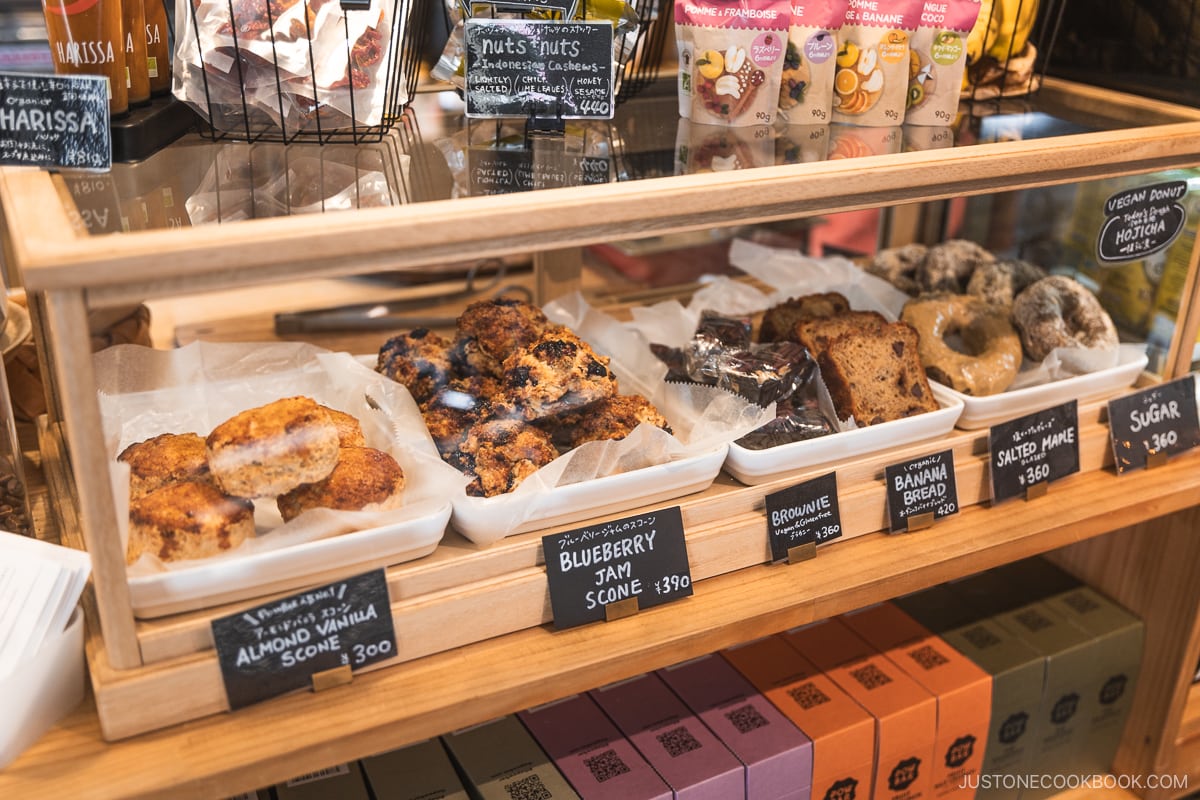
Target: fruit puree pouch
806,87
937,59
871,82
730,59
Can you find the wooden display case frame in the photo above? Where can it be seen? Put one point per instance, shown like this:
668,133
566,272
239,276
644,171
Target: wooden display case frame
70,273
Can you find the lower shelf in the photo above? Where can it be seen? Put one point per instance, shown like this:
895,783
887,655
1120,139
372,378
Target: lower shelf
382,710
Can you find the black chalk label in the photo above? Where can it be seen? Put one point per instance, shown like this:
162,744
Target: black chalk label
1161,419
643,557
804,513
1140,222
924,485
1034,449
277,647
55,121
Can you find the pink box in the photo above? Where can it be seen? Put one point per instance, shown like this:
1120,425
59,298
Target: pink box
587,748
777,756
689,757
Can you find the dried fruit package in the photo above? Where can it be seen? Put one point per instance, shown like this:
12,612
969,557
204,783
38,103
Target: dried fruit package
731,59
291,63
720,148
806,89
937,60
871,82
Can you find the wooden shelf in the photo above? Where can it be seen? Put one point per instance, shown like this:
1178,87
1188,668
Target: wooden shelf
1187,746
382,710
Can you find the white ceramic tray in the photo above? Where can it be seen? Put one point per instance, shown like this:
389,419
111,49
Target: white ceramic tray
475,517
983,412
760,466
227,579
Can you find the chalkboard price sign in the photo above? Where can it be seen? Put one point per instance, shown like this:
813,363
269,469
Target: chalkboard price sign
642,557
1034,449
1140,222
922,487
539,68
1161,419
806,512
55,121
520,170
276,647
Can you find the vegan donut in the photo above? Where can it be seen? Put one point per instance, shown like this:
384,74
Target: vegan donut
1001,281
992,348
898,266
948,266
1060,312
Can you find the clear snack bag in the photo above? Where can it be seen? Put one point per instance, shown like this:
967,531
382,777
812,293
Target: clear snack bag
871,83
730,59
937,60
806,87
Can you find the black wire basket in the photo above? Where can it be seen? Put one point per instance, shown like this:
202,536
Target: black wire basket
298,70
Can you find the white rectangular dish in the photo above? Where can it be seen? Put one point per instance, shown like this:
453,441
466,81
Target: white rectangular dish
752,467
476,517
227,579
983,412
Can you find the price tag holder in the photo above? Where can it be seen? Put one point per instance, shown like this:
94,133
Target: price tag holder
1153,423
920,488
806,513
643,558
1033,450
1140,222
280,646
55,121
539,68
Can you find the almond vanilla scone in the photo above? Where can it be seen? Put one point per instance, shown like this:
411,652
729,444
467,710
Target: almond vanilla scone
266,451
187,520
165,459
363,477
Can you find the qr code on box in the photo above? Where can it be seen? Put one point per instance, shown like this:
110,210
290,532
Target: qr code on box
678,741
870,676
746,718
981,637
530,788
928,657
808,695
606,765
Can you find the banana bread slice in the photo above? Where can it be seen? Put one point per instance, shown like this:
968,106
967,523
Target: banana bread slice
876,376
779,320
816,334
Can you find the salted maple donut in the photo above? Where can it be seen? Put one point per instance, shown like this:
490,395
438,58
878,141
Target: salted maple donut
1060,312
993,349
1001,281
948,266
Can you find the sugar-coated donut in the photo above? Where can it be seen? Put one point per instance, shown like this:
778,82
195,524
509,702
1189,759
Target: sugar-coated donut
993,349
1001,281
898,266
1060,312
948,266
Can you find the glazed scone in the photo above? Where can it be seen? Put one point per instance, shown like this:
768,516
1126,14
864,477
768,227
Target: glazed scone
557,373
611,418
272,449
419,359
186,520
363,477
350,432
165,459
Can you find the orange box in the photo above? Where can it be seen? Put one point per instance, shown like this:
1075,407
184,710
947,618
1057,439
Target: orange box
963,691
905,713
842,732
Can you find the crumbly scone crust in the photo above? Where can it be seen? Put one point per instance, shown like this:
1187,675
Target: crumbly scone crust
165,459
363,476
186,520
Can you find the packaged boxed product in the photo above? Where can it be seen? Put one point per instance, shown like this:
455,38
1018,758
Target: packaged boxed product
720,148
500,760
298,65
417,772
905,712
871,83
937,59
806,87
842,731
731,58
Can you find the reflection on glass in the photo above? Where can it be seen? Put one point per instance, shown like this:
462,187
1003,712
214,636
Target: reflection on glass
851,141
719,148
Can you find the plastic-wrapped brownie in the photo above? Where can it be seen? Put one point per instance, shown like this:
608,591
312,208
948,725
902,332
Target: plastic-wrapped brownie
792,424
765,374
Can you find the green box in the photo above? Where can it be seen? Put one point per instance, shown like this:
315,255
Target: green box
500,759
420,771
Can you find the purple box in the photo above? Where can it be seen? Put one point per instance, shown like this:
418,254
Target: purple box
587,748
689,757
777,756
